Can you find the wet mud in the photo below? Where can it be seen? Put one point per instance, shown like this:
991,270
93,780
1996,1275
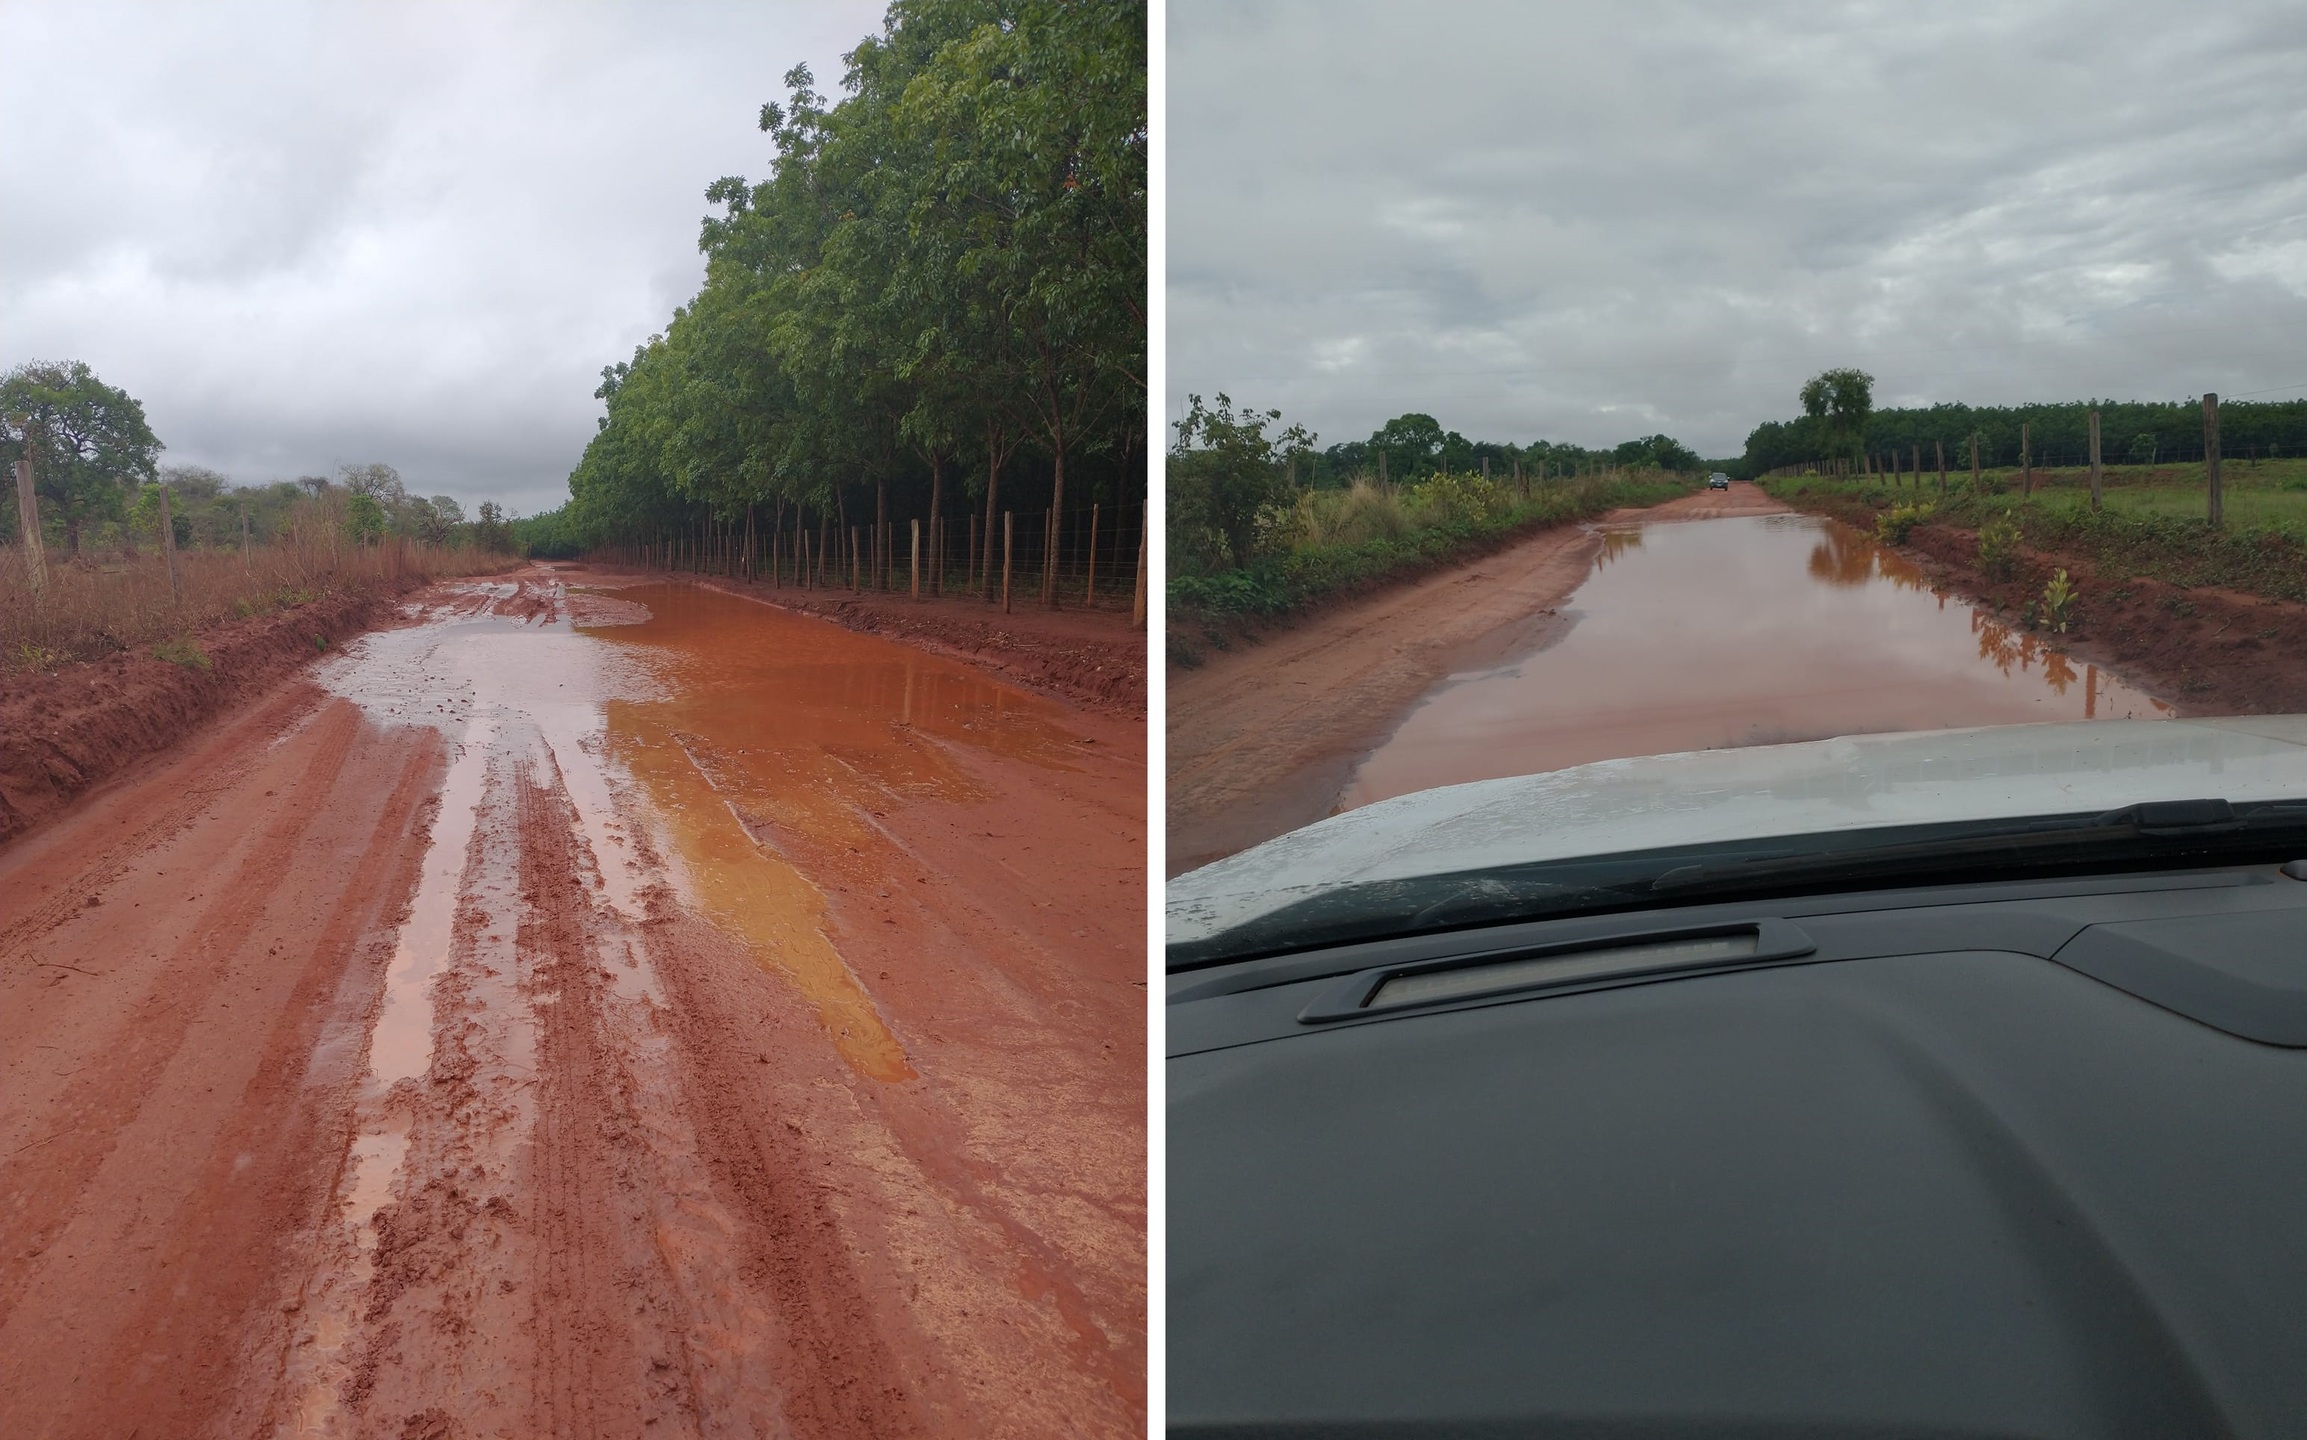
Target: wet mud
1737,631
624,1011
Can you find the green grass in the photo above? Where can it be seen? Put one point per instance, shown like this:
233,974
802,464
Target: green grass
2153,521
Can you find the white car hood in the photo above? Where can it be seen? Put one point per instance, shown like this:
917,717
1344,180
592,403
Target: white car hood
1853,783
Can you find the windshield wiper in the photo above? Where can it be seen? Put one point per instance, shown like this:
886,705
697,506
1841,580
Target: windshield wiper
2158,832
2036,841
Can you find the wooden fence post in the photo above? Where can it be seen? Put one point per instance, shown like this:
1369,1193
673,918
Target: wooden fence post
2211,458
168,548
1941,447
1137,600
2026,462
1008,536
856,562
246,568
2094,459
1917,457
28,519
1049,558
1089,591
917,559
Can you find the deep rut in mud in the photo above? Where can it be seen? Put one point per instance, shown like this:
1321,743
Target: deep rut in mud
538,1031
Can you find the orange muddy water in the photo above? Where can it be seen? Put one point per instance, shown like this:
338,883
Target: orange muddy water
586,1011
1745,630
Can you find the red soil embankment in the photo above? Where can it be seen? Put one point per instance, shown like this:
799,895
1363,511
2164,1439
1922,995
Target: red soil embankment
2211,652
63,730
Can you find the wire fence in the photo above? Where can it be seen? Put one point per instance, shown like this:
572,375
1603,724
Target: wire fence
1093,558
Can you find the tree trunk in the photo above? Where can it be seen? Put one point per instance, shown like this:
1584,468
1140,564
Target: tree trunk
993,459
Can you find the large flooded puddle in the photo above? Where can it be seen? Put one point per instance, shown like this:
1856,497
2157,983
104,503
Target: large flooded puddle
778,739
1705,634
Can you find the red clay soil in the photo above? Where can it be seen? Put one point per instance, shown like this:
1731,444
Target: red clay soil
1089,657
2208,651
2211,652
627,1181
63,730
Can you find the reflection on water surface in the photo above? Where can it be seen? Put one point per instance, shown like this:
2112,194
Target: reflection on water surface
1745,630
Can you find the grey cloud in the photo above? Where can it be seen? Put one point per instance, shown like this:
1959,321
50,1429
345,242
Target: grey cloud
323,233
1581,222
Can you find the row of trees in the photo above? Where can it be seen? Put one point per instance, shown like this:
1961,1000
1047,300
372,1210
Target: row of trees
939,289
97,481
1228,468
1409,448
1839,423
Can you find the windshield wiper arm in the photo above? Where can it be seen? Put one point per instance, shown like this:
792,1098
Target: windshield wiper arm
2154,820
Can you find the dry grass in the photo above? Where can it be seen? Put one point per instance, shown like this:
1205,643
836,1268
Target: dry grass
100,605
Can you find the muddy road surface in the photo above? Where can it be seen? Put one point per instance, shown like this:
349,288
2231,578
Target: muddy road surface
1716,620
593,1012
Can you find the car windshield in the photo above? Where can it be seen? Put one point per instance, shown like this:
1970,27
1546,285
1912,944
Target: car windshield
1440,513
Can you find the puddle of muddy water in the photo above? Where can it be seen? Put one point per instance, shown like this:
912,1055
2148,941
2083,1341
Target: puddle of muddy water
775,736
1751,630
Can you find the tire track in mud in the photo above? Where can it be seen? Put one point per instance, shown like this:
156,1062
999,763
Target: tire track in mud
144,1258
261,1166
111,1092
467,1135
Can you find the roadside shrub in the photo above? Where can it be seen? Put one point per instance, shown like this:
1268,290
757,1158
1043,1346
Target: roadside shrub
1447,499
1999,547
2058,602
183,652
1895,524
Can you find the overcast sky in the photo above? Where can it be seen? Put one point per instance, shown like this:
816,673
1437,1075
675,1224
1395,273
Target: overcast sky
1588,222
306,235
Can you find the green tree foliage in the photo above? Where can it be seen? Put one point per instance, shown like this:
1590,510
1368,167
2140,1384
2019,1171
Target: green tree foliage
1656,452
1837,403
1415,446
943,274
89,443
1223,471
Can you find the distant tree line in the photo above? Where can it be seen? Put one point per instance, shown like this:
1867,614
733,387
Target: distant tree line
2130,433
97,481
932,308
1409,448
1232,471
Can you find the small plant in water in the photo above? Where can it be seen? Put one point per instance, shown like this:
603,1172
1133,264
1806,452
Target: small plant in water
2059,602
1999,547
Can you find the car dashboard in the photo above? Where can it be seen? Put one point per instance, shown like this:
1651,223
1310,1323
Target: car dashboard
2013,1159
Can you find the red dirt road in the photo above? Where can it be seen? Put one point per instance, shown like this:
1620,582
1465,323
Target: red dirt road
713,1024
1262,738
